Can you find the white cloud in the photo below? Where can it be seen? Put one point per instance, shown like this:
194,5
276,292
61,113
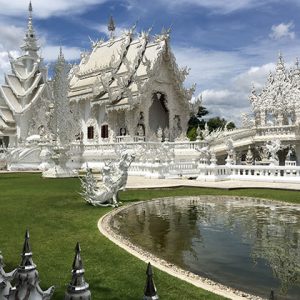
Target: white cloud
216,6
229,103
44,9
253,76
51,52
283,30
209,68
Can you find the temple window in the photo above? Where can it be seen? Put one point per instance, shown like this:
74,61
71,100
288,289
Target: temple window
104,131
122,131
90,132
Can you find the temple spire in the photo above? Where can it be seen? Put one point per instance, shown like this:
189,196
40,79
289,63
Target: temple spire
26,278
30,42
150,289
61,56
111,27
27,262
78,289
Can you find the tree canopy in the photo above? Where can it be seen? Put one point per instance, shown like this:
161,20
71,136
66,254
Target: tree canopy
196,120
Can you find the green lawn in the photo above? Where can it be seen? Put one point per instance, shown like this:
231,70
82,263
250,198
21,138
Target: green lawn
57,218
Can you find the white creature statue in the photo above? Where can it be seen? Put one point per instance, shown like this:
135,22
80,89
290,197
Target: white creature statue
114,179
273,147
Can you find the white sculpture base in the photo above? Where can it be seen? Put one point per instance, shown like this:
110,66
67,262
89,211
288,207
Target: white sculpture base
59,172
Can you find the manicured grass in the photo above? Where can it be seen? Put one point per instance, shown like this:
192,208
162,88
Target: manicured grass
57,218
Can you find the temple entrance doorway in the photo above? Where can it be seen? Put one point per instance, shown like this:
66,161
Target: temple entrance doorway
158,113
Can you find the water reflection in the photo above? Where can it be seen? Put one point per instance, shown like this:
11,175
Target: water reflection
249,244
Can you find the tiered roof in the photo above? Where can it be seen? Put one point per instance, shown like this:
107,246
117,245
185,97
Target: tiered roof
116,71
25,85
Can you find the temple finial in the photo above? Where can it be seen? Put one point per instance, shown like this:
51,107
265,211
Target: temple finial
61,54
30,46
111,27
150,292
27,262
30,7
78,288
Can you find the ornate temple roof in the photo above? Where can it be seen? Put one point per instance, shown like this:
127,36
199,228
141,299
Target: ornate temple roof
281,92
116,70
26,83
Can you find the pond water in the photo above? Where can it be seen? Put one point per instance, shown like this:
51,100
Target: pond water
248,244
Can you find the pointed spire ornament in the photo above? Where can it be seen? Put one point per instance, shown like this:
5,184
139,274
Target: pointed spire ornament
78,289
280,62
111,27
61,54
30,41
27,262
150,292
27,278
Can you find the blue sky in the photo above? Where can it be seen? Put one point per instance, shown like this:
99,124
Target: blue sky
228,44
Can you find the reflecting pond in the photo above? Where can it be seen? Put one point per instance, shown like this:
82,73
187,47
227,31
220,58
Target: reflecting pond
249,244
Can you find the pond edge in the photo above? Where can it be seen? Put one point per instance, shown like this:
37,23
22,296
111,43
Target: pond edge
163,265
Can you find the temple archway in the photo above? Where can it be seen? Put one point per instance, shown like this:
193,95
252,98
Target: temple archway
158,112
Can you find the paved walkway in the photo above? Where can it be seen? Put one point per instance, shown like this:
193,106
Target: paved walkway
138,182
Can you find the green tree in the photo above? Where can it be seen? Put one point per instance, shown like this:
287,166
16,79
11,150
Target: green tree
230,126
196,120
217,122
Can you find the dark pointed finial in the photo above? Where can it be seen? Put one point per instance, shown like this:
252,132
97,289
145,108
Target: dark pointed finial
111,26
297,63
26,247
27,262
61,54
78,288
30,6
149,271
150,292
77,263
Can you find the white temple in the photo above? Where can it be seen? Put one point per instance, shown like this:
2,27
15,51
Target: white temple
128,87
128,93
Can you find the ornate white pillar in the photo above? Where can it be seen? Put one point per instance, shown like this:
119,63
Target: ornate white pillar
262,117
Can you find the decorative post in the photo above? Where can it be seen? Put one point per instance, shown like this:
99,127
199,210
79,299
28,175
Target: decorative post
27,278
78,289
150,289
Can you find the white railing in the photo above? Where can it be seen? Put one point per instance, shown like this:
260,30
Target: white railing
123,141
252,173
276,130
217,172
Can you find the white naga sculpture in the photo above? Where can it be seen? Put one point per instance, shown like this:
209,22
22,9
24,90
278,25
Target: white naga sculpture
273,147
114,179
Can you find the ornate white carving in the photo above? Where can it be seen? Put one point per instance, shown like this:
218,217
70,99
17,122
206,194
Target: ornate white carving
280,98
114,179
249,157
